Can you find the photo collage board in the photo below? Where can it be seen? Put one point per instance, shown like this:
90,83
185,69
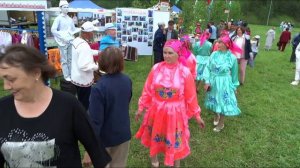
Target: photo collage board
135,28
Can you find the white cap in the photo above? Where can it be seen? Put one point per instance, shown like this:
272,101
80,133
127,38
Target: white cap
88,27
110,26
62,3
257,37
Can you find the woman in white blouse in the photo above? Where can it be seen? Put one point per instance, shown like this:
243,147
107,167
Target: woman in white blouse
242,40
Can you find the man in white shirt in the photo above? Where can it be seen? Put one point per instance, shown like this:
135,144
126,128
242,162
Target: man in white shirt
63,29
83,65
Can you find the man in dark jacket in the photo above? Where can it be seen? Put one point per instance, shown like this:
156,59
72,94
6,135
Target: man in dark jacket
170,32
159,42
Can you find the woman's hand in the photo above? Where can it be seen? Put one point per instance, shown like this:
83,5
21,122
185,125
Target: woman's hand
86,161
206,87
137,116
200,122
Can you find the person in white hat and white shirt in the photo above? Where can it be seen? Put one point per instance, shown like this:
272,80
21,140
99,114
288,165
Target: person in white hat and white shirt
297,70
110,38
83,64
63,29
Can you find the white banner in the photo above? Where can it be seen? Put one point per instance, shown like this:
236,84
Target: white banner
24,5
135,28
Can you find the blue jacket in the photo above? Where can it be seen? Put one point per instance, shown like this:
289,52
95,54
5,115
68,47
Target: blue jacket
109,108
107,41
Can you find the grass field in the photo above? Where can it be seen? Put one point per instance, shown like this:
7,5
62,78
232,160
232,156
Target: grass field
264,135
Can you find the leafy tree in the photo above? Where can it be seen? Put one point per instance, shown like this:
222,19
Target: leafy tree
143,3
199,11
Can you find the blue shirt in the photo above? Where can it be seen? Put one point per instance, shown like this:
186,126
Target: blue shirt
109,108
213,32
107,41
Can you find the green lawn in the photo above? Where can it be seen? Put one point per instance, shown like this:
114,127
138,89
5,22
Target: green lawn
264,135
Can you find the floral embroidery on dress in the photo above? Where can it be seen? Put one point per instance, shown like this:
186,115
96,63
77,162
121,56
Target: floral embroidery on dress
160,138
216,69
165,93
226,97
150,126
212,100
178,140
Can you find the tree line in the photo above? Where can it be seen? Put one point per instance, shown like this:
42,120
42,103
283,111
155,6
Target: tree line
253,11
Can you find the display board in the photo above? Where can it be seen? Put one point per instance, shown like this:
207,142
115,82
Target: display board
135,28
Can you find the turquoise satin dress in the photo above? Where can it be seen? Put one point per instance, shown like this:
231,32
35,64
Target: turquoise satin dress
202,54
221,73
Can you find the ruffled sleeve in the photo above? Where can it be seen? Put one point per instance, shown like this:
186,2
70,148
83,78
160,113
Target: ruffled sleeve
192,64
192,107
146,99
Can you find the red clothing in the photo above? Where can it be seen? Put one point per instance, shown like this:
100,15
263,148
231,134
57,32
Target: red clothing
95,46
170,100
285,37
198,30
191,63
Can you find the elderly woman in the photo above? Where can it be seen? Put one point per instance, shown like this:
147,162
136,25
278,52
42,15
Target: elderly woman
41,126
221,81
169,100
108,107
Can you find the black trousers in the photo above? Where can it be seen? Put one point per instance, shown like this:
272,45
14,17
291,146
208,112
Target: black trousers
158,57
83,95
211,40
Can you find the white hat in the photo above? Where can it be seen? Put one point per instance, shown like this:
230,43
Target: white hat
62,3
160,23
257,37
110,26
88,27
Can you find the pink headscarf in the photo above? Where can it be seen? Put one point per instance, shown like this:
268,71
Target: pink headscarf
177,46
174,44
204,36
185,40
230,45
224,33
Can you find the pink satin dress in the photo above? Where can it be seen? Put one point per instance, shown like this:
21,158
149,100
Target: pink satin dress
170,99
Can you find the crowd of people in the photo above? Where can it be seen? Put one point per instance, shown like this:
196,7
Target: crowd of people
42,125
